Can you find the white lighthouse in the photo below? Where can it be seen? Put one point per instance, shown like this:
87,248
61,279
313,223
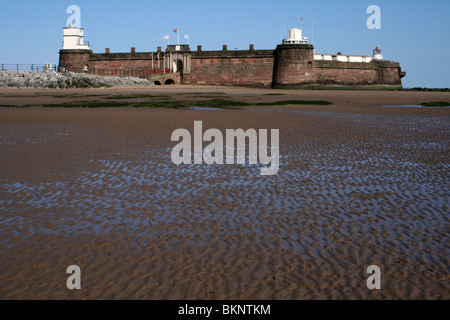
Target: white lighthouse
377,54
74,39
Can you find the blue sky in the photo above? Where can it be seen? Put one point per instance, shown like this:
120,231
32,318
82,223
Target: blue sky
414,33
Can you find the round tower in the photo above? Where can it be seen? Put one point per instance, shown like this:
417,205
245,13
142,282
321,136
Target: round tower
294,61
75,55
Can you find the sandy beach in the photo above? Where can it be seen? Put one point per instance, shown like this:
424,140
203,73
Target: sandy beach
358,185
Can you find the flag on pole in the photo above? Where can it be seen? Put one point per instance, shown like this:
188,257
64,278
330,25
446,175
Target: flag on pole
177,31
167,38
186,36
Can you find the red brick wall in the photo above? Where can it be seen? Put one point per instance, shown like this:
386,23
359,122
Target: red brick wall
390,75
347,73
123,64
346,76
251,71
126,67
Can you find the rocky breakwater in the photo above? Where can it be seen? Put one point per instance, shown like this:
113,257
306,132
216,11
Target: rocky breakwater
29,79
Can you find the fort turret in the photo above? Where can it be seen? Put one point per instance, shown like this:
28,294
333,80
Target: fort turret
294,61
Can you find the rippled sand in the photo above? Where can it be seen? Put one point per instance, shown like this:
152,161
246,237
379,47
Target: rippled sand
97,188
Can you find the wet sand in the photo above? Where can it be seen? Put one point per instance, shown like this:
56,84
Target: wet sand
358,185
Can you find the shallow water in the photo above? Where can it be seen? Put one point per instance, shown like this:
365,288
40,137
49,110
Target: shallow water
203,108
401,106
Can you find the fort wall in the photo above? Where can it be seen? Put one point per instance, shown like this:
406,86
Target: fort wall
245,68
288,65
354,73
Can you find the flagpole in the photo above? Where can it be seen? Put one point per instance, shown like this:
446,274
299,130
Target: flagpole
178,36
281,31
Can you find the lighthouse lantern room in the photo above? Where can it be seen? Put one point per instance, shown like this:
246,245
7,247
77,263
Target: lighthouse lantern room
377,54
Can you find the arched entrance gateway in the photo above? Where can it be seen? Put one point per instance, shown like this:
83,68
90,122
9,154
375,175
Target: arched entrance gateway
169,82
180,66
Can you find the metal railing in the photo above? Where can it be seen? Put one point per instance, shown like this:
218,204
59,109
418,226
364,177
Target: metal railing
28,67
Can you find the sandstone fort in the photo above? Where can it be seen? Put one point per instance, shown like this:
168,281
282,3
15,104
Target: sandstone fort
293,63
